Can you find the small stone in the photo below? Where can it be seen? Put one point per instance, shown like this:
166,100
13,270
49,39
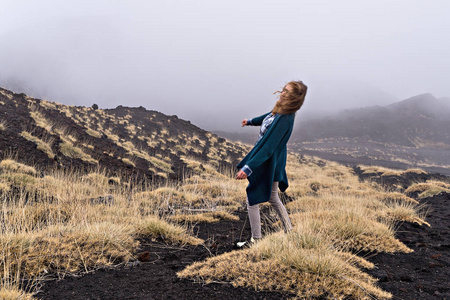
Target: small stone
144,256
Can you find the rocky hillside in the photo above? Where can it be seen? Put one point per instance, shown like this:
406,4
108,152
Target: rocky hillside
124,140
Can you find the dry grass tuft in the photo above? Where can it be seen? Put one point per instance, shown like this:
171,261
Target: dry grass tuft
45,146
93,133
414,171
12,292
13,166
3,125
428,189
166,167
289,263
41,121
155,227
128,161
69,150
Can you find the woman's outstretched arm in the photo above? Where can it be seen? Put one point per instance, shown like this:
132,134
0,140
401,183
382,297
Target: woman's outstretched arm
255,121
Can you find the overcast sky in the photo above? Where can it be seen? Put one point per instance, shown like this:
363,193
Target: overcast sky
216,62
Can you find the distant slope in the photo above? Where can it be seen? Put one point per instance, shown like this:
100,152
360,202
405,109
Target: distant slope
123,140
414,122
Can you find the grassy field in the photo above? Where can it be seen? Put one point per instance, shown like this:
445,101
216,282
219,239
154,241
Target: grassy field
70,222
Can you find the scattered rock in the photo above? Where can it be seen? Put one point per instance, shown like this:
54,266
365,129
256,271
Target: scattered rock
144,256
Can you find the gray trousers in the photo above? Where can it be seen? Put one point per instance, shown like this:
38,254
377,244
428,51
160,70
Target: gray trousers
255,217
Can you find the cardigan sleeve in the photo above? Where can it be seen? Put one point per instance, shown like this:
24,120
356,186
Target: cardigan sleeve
257,121
273,139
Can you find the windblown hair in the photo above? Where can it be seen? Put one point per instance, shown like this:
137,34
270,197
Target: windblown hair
294,99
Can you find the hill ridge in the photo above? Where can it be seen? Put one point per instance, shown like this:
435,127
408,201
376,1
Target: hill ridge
129,140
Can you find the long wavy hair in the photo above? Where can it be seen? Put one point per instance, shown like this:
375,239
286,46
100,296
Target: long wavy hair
294,99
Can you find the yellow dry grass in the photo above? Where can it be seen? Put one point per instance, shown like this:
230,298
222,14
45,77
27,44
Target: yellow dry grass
76,223
48,105
160,164
69,150
14,166
388,171
12,292
93,133
41,121
43,145
7,94
428,189
3,125
128,161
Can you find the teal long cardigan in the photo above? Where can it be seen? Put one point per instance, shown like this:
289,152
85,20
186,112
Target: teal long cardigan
267,159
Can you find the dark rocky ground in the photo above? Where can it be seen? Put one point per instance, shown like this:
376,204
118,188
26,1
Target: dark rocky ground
423,274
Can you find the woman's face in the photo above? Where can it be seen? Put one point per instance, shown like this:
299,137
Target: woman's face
286,90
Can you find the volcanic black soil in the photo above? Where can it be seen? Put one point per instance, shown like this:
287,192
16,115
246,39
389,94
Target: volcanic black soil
425,273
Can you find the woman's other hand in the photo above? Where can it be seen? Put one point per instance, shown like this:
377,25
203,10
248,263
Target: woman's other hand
244,122
241,175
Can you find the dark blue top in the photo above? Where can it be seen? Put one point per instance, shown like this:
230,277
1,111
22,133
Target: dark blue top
267,159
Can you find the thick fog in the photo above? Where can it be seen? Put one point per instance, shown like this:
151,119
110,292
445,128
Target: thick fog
216,62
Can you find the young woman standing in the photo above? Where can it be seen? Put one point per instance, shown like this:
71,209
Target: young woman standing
264,166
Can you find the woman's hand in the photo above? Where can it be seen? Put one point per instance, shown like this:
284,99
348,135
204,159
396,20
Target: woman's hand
244,122
241,175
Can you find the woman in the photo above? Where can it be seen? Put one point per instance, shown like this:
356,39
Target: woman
264,166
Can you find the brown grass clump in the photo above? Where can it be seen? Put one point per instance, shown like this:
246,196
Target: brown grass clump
407,212
352,230
414,171
428,189
93,133
128,161
3,125
48,105
41,121
13,166
69,150
7,94
160,164
153,226
45,146
396,197
12,292
377,169
295,263
392,173
4,187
